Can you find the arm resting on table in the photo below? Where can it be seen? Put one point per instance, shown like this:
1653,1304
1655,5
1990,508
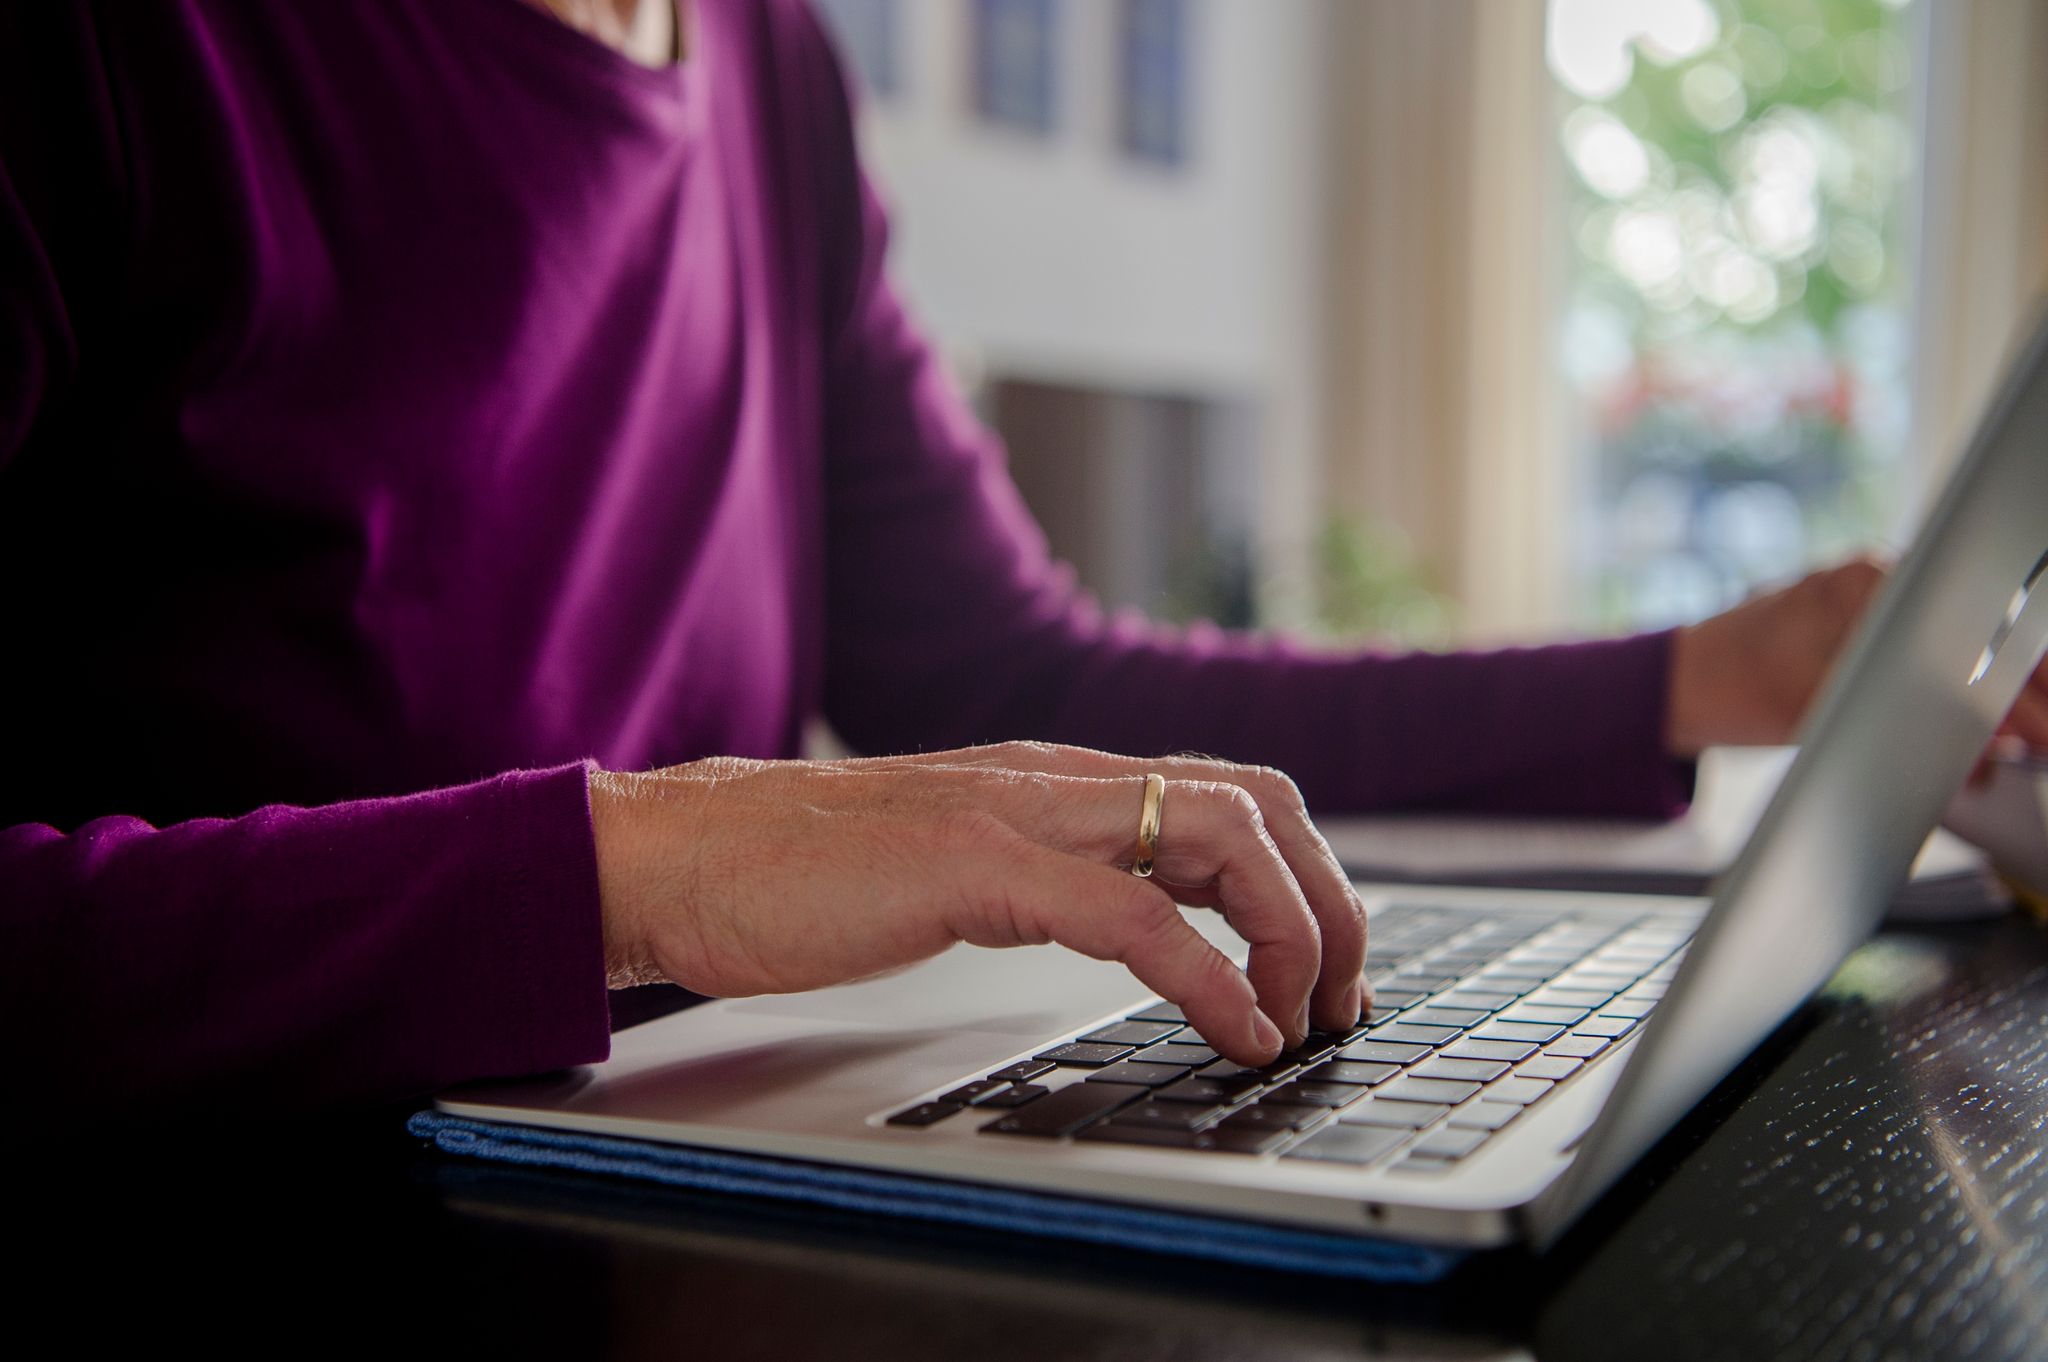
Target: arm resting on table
358,952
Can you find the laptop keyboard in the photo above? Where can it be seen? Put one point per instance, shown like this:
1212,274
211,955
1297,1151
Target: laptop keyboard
1476,1018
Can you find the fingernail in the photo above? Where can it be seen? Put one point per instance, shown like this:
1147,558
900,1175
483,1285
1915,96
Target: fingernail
1264,1032
1354,1000
1300,1032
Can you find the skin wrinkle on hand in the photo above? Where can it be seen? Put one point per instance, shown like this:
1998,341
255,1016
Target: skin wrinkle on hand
1015,836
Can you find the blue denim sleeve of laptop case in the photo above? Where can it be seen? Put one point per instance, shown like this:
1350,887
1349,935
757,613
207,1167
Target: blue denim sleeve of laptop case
1017,1212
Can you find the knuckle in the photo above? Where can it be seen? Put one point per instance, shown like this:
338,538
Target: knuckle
1024,752
1239,803
1281,784
1351,916
971,829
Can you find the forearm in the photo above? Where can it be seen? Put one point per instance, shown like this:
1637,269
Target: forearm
1572,728
302,957
1566,729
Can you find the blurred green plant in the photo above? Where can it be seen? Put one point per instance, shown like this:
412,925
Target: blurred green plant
1364,584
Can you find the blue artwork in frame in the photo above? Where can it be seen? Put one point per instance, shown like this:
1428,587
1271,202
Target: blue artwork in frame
1015,50
1153,42
870,34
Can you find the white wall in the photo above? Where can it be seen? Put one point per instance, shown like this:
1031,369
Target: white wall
1063,260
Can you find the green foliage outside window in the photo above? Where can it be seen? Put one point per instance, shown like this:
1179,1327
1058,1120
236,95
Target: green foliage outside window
1735,323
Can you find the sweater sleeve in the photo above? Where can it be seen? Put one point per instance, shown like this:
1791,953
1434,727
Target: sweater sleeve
948,623
362,951
298,957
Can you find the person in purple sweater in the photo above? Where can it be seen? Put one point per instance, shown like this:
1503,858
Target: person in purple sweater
418,417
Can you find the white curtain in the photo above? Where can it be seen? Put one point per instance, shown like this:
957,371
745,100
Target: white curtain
1444,409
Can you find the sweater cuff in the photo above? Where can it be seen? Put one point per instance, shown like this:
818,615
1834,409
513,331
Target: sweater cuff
1647,776
553,925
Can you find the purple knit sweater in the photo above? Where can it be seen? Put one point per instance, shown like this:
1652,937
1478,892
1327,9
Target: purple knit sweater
404,403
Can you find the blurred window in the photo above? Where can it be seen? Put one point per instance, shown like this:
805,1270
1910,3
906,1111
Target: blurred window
1015,46
1153,41
870,33
1735,328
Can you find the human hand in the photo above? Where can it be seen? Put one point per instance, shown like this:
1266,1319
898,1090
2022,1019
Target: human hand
734,877
1748,675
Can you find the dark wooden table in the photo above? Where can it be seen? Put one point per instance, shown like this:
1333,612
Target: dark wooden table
1871,1185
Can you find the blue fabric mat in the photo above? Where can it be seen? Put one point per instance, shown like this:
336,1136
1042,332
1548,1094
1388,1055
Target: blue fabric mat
859,1190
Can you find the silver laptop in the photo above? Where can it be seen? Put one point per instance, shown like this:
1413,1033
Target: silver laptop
1526,1048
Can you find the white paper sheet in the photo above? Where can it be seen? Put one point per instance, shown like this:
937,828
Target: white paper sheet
1951,878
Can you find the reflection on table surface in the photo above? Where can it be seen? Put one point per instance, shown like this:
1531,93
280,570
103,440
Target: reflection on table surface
1870,1185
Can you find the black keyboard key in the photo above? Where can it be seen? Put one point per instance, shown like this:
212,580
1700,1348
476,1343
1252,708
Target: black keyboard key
1394,999
1577,1047
1383,1051
1524,970
1083,1054
1350,1144
1552,1067
1208,1091
1444,1091
1110,1132
1477,1000
1484,1115
1278,1070
1132,1033
1569,997
1521,1091
1271,1116
1023,1071
924,1114
1174,1115
969,1094
1611,1028
1510,1050
1016,1096
1317,1045
1545,1014
1065,1111
1304,1094
1524,1031
1633,1008
1461,1070
1448,1143
1139,1072
1409,1034
1351,1071
1178,1052
1455,1018
1428,982
1608,970
1511,984
1399,1115
1218,1140
1160,1012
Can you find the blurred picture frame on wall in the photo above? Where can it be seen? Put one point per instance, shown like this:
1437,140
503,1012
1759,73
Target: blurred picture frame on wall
1155,40
1016,58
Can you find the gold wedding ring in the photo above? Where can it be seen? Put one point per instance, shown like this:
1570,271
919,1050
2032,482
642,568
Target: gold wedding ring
1148,827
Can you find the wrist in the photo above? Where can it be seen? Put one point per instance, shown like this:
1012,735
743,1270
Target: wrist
628,957
1683,728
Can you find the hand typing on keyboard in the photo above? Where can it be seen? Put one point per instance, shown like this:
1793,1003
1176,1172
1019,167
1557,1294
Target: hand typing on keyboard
734,877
